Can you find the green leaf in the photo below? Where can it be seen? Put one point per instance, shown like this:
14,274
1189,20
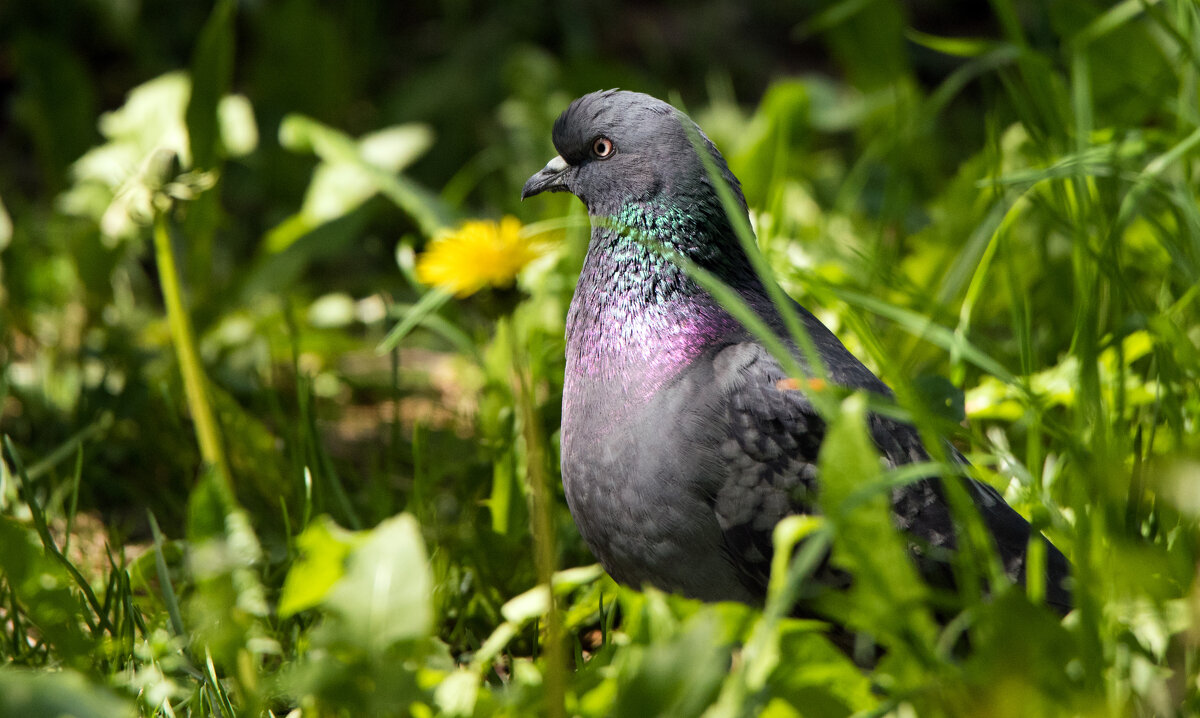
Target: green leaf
527,606
211,76
941,397
354,170
65,694
43,588
323,547
212,73
250,446
1115,17
429,303
226,609
239,131
816,677
385,595
457,693
167,588
673,676
955,46
865,541
6,227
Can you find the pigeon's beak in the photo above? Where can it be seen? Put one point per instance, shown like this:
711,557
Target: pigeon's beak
551,178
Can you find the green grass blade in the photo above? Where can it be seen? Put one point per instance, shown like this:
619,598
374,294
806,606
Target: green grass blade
43,532
429,303
164,578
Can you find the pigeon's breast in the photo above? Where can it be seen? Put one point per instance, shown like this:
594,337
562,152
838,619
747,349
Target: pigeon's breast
636,477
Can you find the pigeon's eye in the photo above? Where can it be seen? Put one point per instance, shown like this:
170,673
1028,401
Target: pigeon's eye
602,147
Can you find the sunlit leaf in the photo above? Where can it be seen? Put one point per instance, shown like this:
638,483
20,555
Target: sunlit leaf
865,540
352,171
115,181
64,694
323,548
384,596
678,676
332,310
6,227
43,589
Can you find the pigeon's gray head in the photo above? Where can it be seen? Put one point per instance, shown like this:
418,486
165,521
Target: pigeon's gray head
616,147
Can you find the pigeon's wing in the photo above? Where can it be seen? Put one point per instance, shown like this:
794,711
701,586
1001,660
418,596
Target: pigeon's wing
768,464
922,512
766,461
765,456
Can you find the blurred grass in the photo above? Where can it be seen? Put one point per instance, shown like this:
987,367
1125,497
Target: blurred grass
995,207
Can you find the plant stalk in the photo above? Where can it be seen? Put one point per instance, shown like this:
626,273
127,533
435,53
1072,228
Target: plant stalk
207,434
542,527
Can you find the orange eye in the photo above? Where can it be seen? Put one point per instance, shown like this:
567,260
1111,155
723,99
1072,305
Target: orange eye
602,147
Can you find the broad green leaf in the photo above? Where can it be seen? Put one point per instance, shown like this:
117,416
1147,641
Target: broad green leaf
527,606
816,677
65,694
323,548
352,171
226,609
888,595
457,693
676,676
385,595
6,227
396,147
212,73
941,397
43,588
115,182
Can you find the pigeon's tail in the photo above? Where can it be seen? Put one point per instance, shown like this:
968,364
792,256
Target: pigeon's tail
1013,536
923,513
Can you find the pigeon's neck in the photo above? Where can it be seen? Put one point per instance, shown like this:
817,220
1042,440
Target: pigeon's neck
637,319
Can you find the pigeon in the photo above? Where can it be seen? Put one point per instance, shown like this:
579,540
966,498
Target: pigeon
682,443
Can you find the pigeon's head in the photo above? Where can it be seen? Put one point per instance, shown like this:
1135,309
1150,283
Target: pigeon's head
616,147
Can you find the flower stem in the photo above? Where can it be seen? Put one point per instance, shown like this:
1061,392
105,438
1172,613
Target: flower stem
542,526
180,325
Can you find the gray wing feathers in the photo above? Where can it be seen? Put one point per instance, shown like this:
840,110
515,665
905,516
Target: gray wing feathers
766,457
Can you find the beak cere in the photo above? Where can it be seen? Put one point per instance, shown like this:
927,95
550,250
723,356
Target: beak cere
550,178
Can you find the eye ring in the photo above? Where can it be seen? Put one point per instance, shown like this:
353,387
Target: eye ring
603,148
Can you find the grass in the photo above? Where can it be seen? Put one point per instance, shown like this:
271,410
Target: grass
261,514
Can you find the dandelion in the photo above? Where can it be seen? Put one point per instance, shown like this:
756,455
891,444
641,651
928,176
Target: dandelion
478,254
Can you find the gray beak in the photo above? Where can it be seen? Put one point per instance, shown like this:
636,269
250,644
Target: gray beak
551,178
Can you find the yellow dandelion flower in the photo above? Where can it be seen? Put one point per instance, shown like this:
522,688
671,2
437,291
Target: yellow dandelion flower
478,254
